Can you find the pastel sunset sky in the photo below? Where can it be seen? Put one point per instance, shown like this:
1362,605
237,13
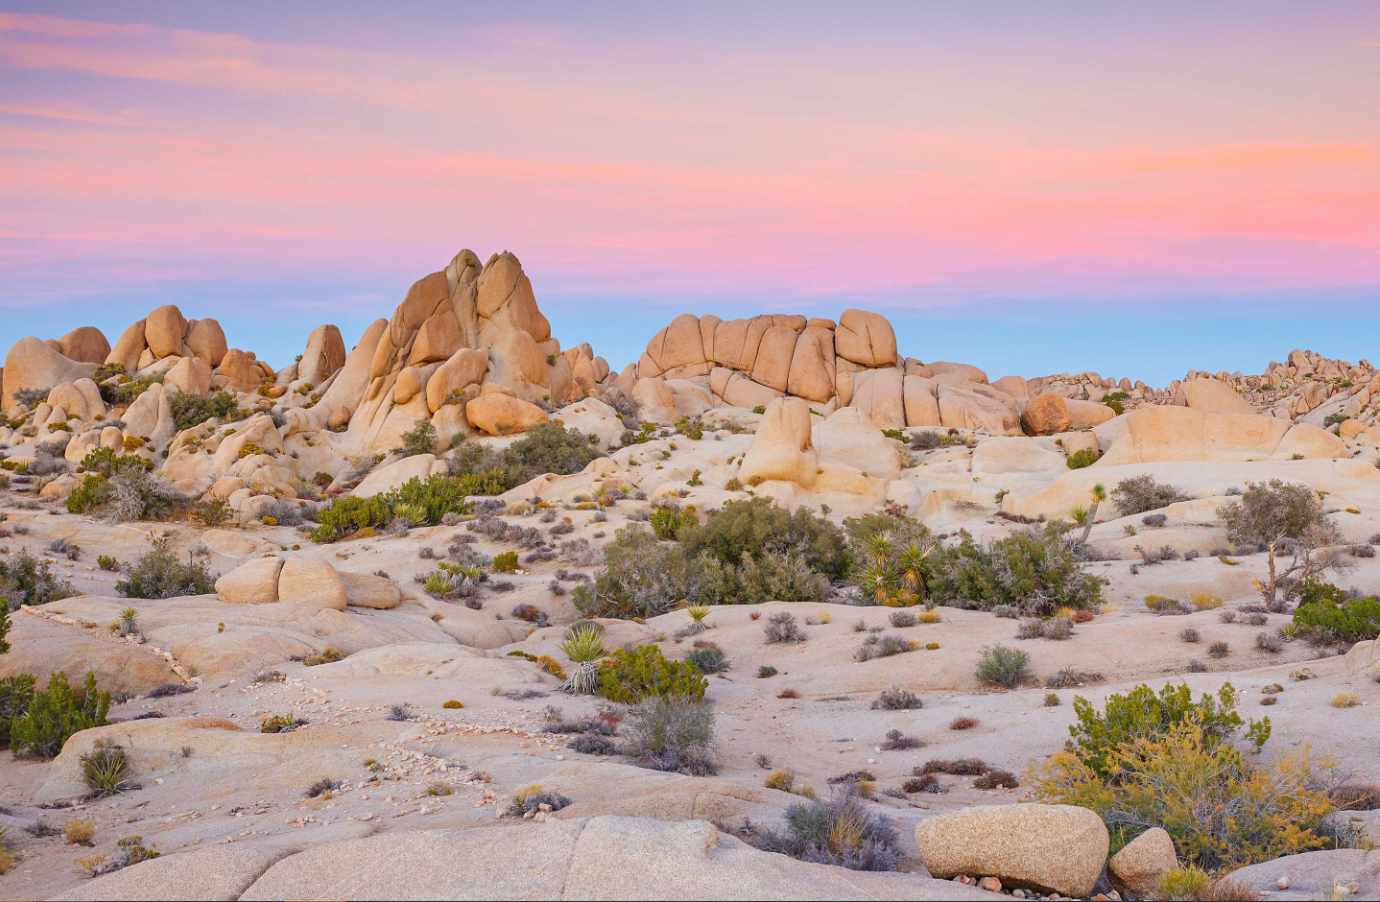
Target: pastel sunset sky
1033,188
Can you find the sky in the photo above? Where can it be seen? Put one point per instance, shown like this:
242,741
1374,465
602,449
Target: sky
1136,189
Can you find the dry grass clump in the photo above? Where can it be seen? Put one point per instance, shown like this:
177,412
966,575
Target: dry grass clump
963,723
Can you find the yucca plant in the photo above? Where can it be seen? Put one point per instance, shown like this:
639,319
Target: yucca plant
698,612
129,622
105,769
413,513
436,583
584,645
1099,495
1078,514
913,569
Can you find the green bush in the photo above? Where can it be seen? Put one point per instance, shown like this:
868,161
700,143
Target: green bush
1085,457
708,659
55,714
91,495
420,439
1272,509
668,521
631,675
105,462
506,562
1325,613
1141,714
428,499
1036,571
548,448
672,733
840,832
190,410
161,573
28,580
643,577
126,392
1002,666
16,694
129,494
754,526
1142,493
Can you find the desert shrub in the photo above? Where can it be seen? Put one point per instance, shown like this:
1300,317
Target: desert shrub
1221,812
668,521
55,713
282,723
190,410
963,723
126,392
1142,493
642,577
1002,666
902,619
708,659
672,733
1035,571
1219,649
420,439
877,646
1345,700
161,573
923,783
1057,628
997,779
28,580
839,832
1272,509
897,699
78,832
755,526
782,627
1084,457
1327,614
506,562
1154,520
16,694
547,448
1141,713
1189,634
1271,642
424,501
631,675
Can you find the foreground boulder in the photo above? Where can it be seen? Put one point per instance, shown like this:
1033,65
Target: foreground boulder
1136,871
1047,848
598,858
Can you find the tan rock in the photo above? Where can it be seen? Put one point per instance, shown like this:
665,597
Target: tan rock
255,582
465,367
237,372
1211,396
206,340
438,338
812,365
504,295
85,344
311,581
782,448
410,382
80,399
1087,414
325,354
775,352
865,338
1014,386
32,364
1047,848
679,344
921,399
499,414
658,401
738,390
128,347
962,406
879,394
190,375
964,371
1046,415
365,590
164,331
390,476
849,437
1310,442
1136,871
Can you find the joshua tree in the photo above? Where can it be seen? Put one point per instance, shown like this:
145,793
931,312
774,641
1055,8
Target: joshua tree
1099,495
